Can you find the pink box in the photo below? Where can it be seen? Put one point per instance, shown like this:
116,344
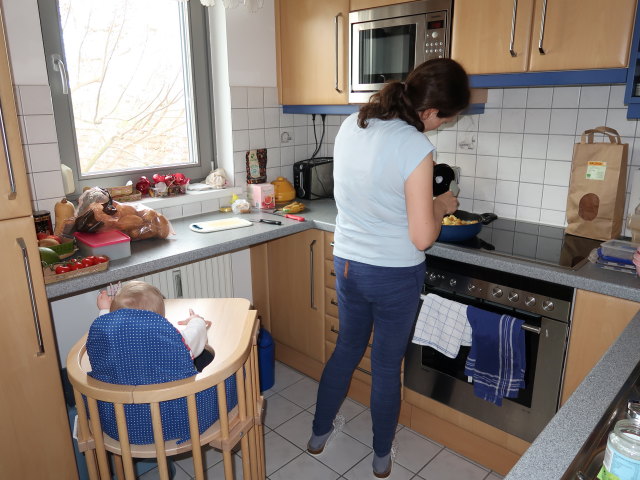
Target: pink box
263,195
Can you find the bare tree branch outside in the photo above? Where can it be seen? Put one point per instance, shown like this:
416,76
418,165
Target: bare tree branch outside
125,63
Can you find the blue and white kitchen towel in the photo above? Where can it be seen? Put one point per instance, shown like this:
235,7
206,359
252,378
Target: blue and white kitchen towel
442,324
497,359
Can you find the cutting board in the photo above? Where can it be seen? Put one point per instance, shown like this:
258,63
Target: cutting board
218,225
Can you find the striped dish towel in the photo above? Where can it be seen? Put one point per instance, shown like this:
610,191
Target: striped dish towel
442,324
497,359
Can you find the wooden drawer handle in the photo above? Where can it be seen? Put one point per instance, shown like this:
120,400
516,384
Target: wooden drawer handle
333,302
364,371
332,273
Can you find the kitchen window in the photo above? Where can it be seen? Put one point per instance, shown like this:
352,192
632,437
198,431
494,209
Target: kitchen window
130,84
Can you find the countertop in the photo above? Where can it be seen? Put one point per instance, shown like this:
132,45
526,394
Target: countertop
186,246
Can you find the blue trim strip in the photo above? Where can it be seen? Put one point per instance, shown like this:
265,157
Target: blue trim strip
633,59
320,109
633,111
536,79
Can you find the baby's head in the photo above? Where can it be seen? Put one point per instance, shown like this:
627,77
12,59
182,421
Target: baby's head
139,295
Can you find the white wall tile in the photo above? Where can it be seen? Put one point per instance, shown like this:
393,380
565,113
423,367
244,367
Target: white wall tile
557,173
273,156
529,194
534,146
494,98
617,119
300,135
616,96
300,120
590,118
560,147
447,141
48,204
507,193
488,143
466,142
467,188
48,185
255,97
467,123
35,100
594,96
503,210
510,145
239,119
514,98
272,137
486,166
532,170
240,140
443,157
239,97
271,97
490,120
172,212
553,217
271,117
190,209
512,120
564,121
566,97
485,189
44,157
467,164
286,119
256,139
537,120
483,206
40,129
539,97
256,118
554,197
287,156
528,214
509,168
212,205
239,161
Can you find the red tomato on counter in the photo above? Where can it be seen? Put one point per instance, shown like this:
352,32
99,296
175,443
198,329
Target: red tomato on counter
101,259
62,269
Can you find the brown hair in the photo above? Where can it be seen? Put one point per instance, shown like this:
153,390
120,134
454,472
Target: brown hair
440,83
139,295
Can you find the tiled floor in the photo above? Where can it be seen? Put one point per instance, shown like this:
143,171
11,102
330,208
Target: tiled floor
289,412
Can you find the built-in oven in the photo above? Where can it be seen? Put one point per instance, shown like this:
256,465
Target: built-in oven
386,43
545,309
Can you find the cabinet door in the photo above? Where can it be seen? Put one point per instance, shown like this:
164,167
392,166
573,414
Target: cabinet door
35,440
15,199
362,4
597,322
296,292
312,67
486,39
582,34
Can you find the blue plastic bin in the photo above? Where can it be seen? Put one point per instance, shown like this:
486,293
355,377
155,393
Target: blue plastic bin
266,360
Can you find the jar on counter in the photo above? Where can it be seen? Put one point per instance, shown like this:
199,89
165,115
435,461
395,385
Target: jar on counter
622,456
42,220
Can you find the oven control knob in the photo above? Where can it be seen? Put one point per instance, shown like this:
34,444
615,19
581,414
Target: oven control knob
530,301
434,35
433,277
471,287
453,282
513,296
496,292
548,306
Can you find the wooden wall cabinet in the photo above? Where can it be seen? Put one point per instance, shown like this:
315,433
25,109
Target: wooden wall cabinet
598,320
362,4
36,439
311,51
501,36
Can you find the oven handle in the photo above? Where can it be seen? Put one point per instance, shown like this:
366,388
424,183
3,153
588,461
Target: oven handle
531,328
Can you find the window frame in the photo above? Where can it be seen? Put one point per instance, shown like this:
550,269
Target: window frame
201,88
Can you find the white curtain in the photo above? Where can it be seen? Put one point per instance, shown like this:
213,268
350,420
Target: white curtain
252,5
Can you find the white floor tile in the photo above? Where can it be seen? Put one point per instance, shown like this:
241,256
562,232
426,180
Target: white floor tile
155,475
414,451
304,467
364,471
278,452
279,410
360,428
284,377
211,458
217,471
349,409
343,452
449,466
297,430
303,393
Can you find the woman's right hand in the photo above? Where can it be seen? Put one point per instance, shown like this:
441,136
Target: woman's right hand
447,202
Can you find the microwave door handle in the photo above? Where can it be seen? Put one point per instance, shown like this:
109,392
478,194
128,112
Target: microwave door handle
513,29
337,29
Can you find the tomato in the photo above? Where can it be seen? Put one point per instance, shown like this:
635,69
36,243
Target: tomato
57,238
92,258
74,265
101,259
87,262
62,269
41,235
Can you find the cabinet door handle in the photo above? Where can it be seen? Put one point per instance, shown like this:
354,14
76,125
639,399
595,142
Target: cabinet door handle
332,273
59,66
542,21
32,296
333,302
311,279
337,26
177,284
364,371
513,29
7,156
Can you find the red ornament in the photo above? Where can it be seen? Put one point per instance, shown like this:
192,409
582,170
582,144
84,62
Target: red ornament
143,185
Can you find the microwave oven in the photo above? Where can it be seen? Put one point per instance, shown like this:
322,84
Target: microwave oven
386,43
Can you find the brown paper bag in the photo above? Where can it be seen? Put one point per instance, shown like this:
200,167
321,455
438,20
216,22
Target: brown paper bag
595,204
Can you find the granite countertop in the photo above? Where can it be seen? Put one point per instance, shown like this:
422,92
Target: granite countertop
186,246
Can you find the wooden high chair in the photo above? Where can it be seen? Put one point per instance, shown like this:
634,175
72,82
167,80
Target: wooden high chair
233,338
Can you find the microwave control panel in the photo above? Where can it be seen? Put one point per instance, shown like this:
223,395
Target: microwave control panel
437,41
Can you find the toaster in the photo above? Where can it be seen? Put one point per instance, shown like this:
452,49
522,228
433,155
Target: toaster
313,178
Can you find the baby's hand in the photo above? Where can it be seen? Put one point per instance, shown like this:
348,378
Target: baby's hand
193,315
104,300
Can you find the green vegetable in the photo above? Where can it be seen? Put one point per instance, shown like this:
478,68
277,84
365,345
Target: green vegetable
48,256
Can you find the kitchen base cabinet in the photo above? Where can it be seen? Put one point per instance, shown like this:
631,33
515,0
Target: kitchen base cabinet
597,321
465,435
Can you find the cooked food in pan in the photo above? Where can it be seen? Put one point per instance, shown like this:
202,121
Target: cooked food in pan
453,220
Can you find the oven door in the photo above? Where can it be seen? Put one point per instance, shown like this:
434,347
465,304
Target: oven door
441,378
385,50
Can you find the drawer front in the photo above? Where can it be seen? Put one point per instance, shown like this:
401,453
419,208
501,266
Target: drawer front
329,274
362,371
331,302
332,327
328,248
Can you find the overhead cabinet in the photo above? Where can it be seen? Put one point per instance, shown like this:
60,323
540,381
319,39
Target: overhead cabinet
516,36
311,51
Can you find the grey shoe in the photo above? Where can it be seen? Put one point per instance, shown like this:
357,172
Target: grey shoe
316,444
382,465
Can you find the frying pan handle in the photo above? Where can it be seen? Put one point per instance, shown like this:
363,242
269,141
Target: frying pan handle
487,218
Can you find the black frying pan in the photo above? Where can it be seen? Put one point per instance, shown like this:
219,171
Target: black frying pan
460,233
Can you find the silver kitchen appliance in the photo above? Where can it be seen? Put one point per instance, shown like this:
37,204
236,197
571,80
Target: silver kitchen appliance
545,307
386,43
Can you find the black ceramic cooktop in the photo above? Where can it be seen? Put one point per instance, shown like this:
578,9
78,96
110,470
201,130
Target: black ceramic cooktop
534,242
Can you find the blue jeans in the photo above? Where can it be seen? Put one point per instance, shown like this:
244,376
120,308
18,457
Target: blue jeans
385,298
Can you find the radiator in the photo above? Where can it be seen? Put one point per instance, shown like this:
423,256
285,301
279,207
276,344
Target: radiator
211,278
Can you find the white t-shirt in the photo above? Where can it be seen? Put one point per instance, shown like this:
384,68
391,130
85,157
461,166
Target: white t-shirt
370,168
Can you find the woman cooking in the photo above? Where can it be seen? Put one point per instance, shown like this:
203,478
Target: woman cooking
387,217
